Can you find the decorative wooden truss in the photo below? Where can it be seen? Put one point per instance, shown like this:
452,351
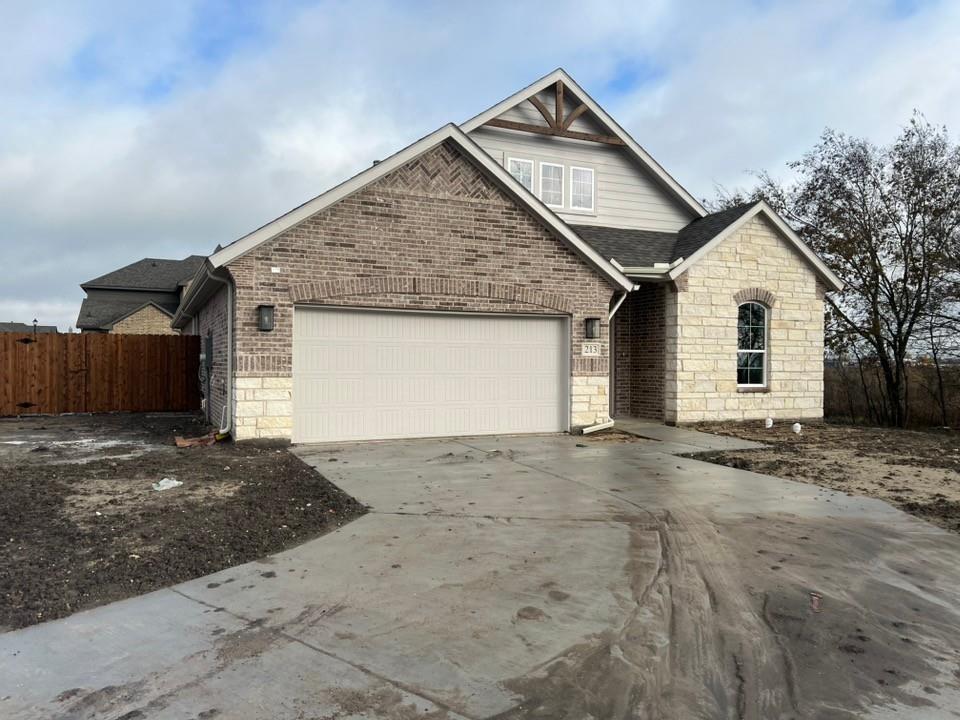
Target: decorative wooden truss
557,124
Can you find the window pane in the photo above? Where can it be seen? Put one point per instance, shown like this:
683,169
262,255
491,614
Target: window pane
743,377
522,170
581,188
756,376
758,338
551,184
743,315
758,312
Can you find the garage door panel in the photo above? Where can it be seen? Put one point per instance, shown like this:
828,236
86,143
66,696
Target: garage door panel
361,374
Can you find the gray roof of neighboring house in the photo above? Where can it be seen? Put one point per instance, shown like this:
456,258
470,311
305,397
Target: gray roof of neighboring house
19,327
101,313
149,274
644,248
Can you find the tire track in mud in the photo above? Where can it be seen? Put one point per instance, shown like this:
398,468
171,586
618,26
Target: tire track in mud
694,642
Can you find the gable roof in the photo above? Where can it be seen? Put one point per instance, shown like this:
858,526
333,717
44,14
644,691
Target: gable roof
631,146
157,274
637,252
98,313
450,133
736,220
19,327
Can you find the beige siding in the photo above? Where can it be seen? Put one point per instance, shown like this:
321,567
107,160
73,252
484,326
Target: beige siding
702,332
626,195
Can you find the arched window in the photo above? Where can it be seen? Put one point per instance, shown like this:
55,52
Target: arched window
752,345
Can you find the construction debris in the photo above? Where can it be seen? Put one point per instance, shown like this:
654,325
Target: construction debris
209,439
166,484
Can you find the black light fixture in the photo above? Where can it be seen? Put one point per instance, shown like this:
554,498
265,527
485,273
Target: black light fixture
265,317
592,329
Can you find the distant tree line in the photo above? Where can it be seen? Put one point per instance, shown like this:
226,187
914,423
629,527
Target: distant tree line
887,221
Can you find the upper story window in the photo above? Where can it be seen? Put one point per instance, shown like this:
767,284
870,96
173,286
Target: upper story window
581,188
752,345
551,184
522,170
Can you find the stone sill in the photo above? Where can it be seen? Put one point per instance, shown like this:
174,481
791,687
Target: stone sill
753,389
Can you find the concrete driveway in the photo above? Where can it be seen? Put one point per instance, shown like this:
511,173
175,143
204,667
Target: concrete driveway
549,577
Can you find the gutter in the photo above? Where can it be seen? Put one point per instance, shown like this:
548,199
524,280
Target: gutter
656,272
226,417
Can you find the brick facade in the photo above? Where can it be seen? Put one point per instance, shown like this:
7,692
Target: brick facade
434,234
146,321
639,337
756,263
211,321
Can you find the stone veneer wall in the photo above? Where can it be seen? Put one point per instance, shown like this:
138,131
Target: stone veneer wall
434,234
638,347
701,320
147,321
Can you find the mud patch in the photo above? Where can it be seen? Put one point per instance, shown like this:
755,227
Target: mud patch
919,472
80,534
383,702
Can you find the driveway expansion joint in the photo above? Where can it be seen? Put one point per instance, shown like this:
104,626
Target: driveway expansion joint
410,690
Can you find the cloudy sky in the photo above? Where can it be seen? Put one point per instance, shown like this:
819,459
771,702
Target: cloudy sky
132,129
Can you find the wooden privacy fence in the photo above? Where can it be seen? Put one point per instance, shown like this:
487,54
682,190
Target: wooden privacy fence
51,373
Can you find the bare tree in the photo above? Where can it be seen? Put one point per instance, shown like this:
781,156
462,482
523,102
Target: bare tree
887,221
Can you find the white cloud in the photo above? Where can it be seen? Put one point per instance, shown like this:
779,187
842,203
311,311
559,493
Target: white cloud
122,138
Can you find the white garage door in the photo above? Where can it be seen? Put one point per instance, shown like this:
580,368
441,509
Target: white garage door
370,374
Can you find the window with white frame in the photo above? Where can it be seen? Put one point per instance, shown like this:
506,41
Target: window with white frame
581,188
522,170
551,184
752,345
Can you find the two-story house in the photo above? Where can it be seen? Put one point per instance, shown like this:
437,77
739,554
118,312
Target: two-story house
531,270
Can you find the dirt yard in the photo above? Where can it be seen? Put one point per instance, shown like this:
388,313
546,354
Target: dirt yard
917,471
82,524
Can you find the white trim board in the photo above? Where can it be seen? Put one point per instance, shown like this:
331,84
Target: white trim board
631,145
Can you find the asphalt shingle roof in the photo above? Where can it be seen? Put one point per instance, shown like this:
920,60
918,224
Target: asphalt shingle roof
702,230
644,248
101,313
149,274
19,327
630,248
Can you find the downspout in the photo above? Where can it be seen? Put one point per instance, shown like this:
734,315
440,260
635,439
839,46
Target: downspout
608,423
226,415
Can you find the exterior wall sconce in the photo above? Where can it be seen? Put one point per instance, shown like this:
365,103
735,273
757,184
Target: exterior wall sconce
265,317
592,329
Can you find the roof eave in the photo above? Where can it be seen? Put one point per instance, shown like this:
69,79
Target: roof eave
448,132
197,294
820,267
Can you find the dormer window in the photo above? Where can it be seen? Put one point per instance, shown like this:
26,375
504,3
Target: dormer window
551,184
522,170
581,188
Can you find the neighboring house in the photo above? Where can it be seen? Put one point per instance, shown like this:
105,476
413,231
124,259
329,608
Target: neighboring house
138,299
532,270
19,327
